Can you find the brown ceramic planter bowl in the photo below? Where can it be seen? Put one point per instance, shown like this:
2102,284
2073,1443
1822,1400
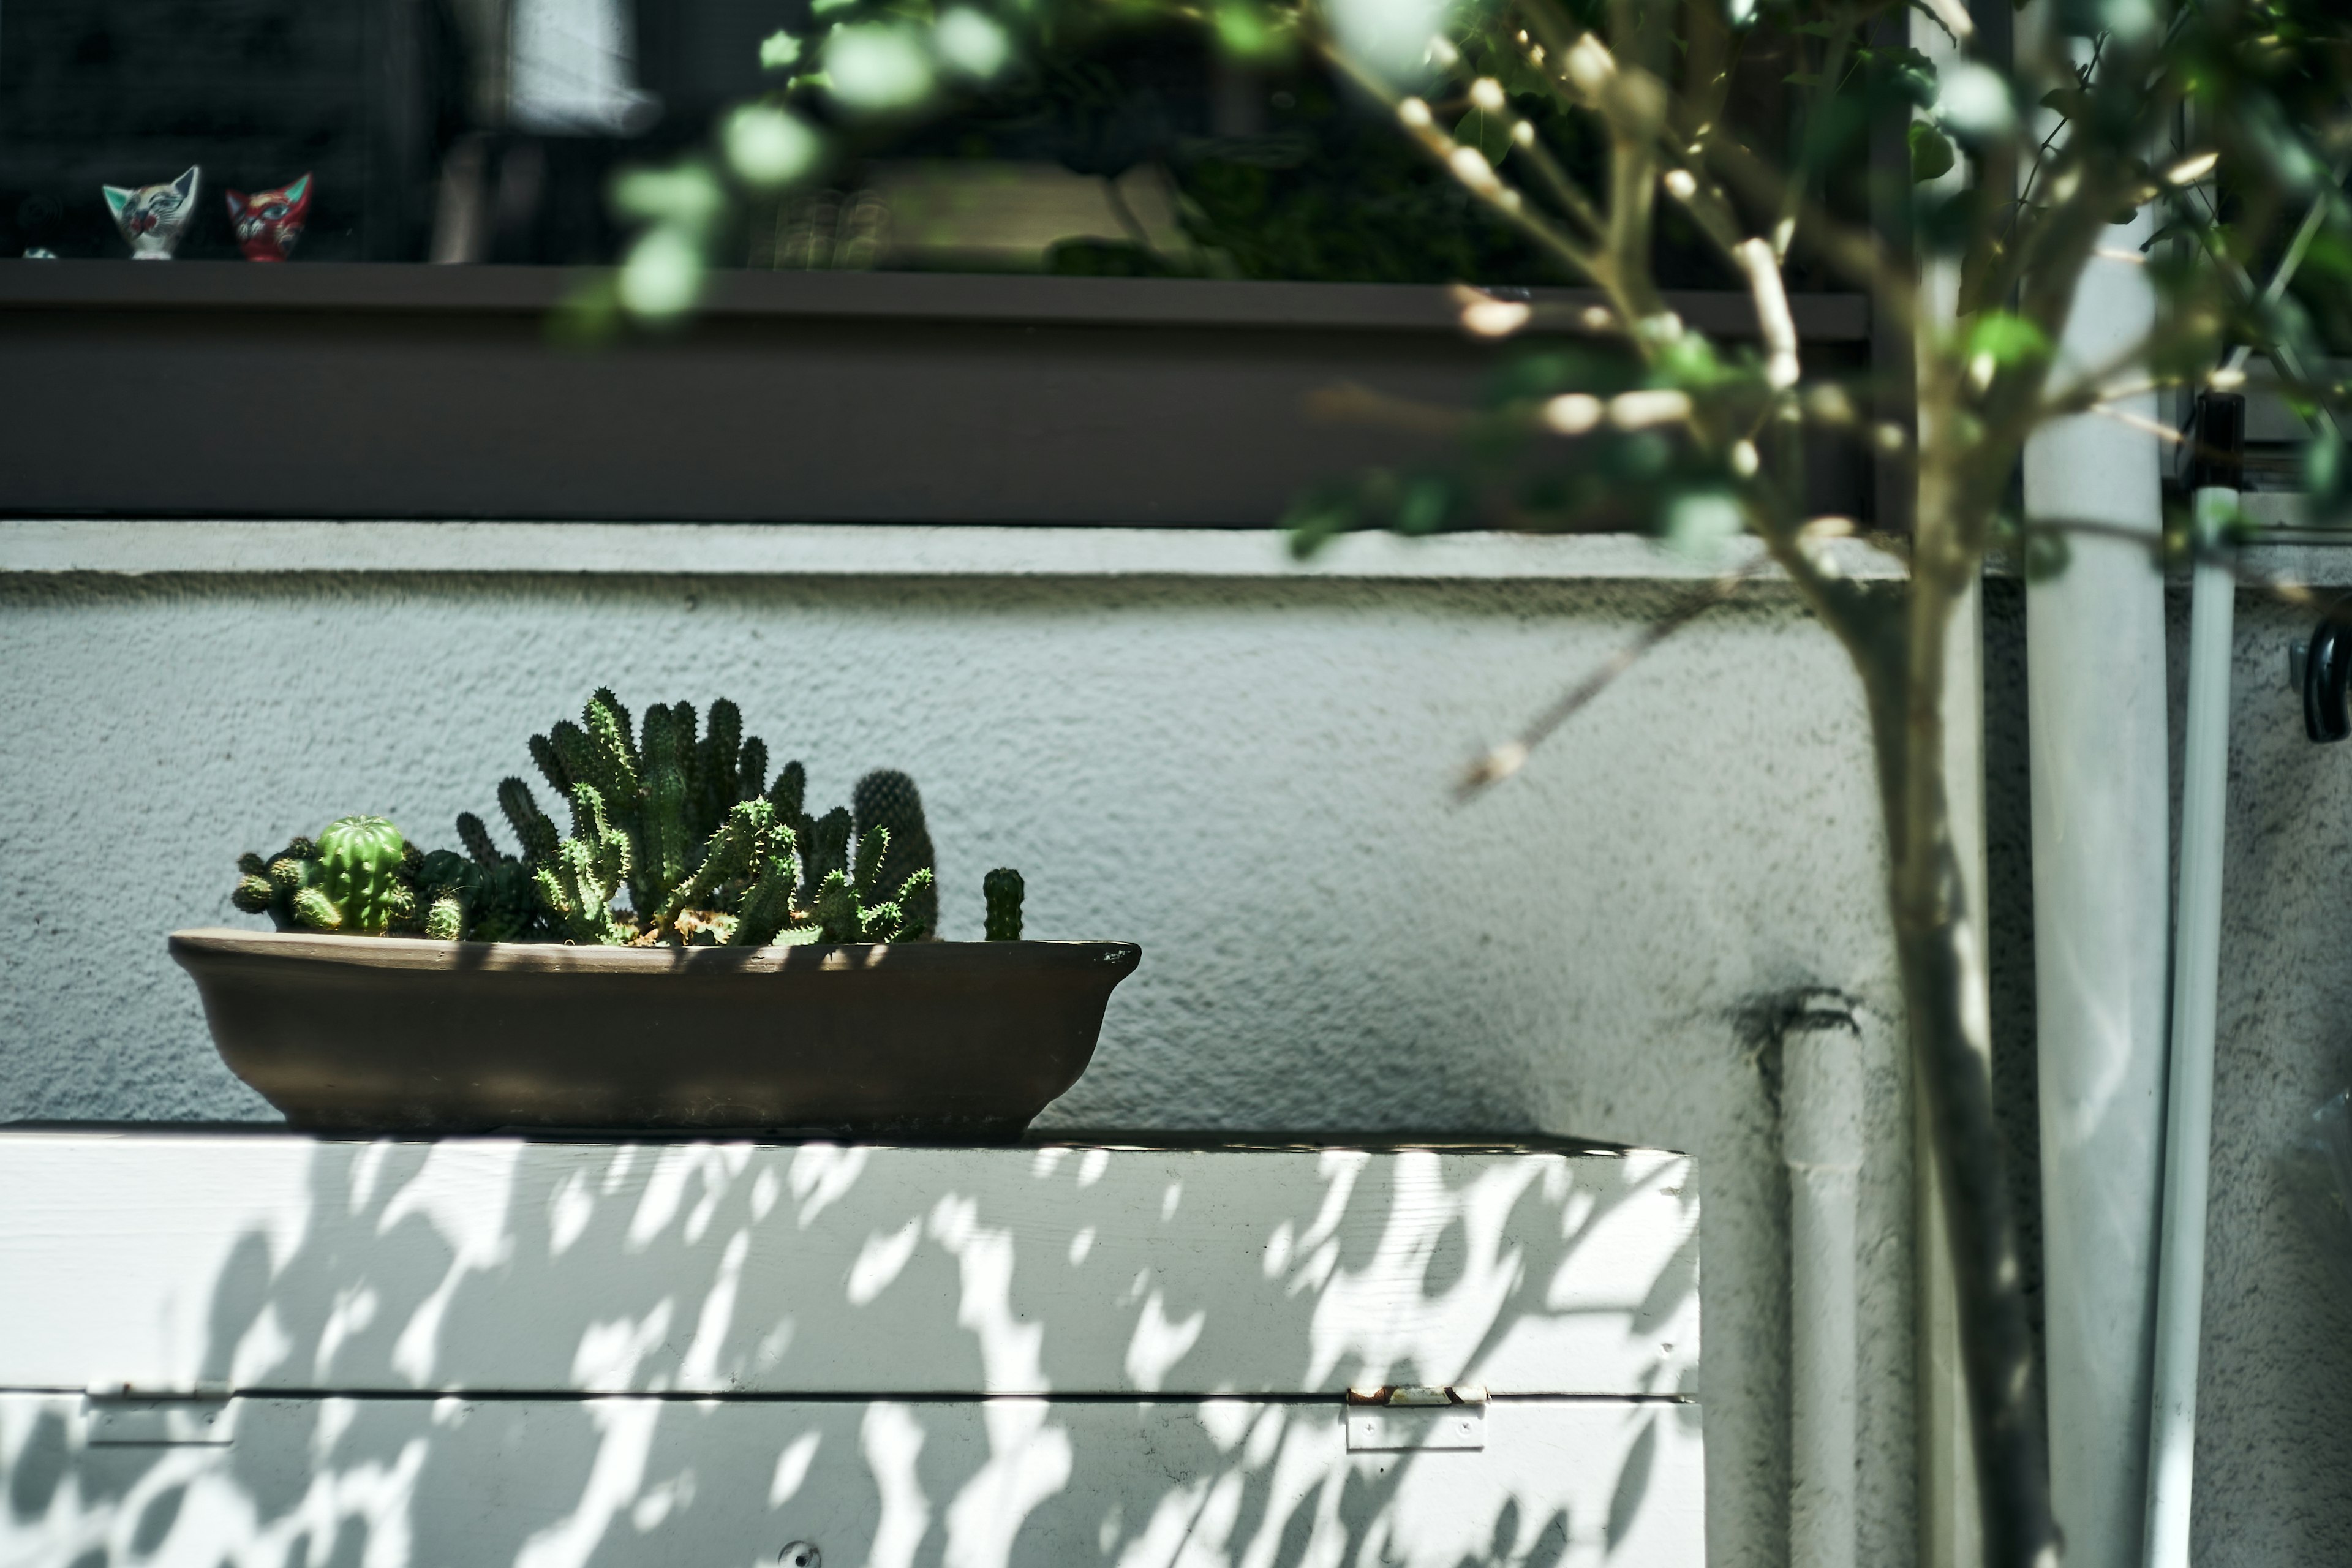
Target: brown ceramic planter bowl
964,1040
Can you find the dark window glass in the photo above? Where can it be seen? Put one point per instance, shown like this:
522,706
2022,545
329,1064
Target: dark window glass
489,130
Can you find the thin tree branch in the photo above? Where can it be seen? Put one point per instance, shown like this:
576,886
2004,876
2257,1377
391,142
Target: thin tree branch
1503,761
1825,87
2140,422
2289,591
1774,321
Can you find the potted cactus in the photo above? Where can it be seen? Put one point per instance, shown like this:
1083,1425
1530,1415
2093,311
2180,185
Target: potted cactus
697,951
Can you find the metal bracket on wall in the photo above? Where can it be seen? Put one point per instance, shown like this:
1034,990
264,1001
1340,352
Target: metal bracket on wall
123,1414
1411,1419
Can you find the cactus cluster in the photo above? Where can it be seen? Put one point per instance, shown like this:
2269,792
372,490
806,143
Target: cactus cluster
358,876
678,836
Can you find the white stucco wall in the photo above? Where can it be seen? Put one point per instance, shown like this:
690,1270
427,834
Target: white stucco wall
2274,1478
2274,1379
1245,772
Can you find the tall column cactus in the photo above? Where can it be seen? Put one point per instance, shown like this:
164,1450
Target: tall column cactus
756,857
664,789
887,802
715,784
1003,890
663,842
587,873
825,853
493,895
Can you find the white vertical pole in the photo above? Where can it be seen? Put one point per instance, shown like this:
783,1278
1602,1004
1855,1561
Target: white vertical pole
1822,1140
2097,701
2196,976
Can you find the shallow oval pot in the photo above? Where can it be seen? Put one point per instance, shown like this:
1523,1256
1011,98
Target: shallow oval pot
936,1039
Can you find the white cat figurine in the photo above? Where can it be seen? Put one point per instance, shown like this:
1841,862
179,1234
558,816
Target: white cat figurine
152,216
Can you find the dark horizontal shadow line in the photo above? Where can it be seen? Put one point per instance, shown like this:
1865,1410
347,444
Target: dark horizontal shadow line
889,1397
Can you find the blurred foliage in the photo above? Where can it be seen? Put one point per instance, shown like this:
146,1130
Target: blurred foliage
1320,189
1506,179
1329,193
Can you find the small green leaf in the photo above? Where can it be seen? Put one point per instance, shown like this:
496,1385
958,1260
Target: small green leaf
1973,103
2327,477
1317,515
1931,153
878,67
1915,84
1690,363
768,147
972,43
1424,505
662,275
686,194
2046,554
779,51
2007,339
1245,31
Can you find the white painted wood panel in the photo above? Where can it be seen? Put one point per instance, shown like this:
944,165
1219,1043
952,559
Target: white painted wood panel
625,1482
286,1263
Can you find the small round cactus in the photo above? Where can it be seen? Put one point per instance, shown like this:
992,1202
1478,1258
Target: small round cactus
362,877
270,886
446,883
255,891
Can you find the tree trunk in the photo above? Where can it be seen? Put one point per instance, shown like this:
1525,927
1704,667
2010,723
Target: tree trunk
1941,955
1940,959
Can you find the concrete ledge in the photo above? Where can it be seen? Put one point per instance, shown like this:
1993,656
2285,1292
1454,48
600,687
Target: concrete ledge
804,550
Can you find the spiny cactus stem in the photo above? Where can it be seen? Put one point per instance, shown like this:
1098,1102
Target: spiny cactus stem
1003,890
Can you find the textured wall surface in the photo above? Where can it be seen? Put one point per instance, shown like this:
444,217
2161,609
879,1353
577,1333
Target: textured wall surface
1249,778
2275,1375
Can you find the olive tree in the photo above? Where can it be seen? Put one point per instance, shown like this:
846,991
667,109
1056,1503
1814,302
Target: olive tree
1611,131
2231,120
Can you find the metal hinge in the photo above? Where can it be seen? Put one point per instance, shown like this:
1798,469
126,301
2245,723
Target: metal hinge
1416,1418
202,1416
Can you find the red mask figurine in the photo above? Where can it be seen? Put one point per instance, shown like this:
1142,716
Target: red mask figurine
268,223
